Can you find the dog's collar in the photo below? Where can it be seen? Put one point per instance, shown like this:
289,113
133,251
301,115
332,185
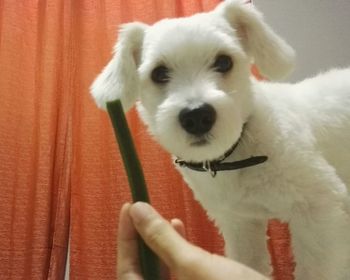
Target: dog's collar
217,165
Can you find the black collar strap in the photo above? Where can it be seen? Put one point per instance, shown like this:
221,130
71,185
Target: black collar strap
218,165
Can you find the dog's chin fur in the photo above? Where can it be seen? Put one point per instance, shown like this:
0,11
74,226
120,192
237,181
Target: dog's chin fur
303,128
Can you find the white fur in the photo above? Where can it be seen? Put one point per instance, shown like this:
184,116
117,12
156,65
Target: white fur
303,128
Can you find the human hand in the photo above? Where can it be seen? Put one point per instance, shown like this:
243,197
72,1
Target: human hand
184,260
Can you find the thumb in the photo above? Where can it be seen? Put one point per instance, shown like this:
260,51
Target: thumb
160,236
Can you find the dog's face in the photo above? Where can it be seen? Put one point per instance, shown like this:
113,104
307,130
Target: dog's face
192,76
195,89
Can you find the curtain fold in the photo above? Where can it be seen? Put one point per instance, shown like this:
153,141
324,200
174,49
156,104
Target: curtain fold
60,169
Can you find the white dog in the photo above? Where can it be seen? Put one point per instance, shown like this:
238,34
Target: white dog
271,150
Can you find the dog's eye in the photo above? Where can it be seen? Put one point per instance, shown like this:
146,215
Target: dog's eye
160,75
223,63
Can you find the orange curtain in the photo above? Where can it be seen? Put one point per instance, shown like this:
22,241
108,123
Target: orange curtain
35,139
60,170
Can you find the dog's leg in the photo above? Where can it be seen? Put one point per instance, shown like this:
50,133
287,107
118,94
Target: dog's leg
320,242
246,242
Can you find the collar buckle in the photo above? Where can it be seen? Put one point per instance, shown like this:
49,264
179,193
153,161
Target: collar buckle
207,166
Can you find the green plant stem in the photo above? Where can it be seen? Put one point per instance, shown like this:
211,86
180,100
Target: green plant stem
148,260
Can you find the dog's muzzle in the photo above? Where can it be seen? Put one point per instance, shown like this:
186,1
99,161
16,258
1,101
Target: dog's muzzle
198,121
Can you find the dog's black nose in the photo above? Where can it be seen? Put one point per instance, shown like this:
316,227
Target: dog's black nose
198,121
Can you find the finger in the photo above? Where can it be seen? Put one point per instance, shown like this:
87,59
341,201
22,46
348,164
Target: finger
180,229
179,226
128,266
160,235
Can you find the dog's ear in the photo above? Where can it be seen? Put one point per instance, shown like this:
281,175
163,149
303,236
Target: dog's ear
271,54
119,79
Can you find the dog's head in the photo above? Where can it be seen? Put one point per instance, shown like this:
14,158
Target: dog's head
192,76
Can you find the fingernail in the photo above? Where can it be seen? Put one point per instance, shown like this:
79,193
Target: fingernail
140,211
125,205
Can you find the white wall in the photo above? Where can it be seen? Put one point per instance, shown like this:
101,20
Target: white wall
319,31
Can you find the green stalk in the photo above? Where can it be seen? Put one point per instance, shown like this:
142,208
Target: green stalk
148,260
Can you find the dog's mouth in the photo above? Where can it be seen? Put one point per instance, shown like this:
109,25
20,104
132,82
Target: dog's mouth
200,142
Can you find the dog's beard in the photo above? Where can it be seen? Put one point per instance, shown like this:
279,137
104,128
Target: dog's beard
201,140
188,147
207,147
